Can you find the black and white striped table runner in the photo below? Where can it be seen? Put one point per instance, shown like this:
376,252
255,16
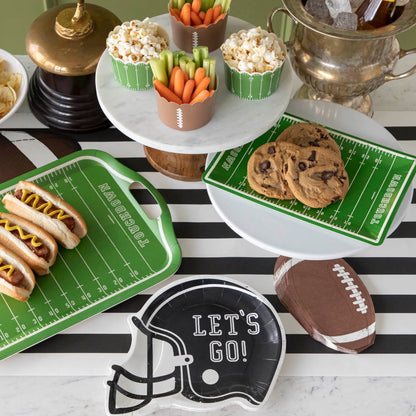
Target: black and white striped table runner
210,247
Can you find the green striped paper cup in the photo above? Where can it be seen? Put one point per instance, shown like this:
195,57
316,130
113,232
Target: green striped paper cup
137,76
253,86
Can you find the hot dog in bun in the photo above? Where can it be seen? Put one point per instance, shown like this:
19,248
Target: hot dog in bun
30,242
48,211
16,277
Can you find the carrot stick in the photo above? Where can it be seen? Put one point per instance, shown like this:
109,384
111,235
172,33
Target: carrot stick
200,97
203,85
195,19
202,15
165,92
208,16
199,75
216,12
186,14
221,16
175,13
188,89
196,5
172,77
179,82
211,92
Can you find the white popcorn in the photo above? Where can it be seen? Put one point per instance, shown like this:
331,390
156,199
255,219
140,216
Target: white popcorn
254,50
136,41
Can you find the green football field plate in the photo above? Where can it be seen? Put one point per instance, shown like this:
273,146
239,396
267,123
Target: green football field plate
379,178
123,253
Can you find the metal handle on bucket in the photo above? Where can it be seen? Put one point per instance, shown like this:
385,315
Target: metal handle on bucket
270,21
411,71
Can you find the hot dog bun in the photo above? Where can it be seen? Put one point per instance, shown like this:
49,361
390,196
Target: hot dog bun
54,226
24,288
39,264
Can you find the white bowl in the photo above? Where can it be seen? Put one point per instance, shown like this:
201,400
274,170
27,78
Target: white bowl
13,64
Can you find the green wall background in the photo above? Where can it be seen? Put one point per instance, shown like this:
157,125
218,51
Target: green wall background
16,16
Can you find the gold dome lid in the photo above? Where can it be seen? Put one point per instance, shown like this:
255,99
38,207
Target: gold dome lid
69,39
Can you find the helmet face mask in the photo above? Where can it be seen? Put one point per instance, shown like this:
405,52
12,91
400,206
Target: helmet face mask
199,343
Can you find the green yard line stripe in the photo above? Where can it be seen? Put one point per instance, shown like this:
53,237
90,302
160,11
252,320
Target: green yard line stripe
32,310
79,285
375,198
4,336
352,181
378,192
14,318
57,191
117,222
261,86
238,164
95,277
47,302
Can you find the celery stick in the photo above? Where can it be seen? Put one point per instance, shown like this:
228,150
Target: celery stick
183,60
200,53
167,57
159,71
176,56
217,2
180,4
197,57
212,73
190,69
209,65
174,4
226,7
205,65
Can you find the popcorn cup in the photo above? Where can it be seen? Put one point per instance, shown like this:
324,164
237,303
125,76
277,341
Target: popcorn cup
135,75
186,117
252,86
188,37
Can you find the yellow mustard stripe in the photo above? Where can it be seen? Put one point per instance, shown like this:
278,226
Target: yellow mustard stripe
34,239
27,197
7,266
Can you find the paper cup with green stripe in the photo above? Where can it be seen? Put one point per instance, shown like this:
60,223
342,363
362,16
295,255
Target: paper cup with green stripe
138,76
252,86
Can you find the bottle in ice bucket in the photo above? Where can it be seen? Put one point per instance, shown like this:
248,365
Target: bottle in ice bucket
373,14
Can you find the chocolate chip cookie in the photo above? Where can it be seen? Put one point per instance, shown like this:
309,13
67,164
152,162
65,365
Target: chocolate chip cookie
316,176
265,173
309,134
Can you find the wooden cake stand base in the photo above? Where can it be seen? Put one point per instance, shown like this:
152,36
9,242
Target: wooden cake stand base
181,166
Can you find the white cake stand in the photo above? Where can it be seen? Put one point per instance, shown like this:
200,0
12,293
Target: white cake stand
182,154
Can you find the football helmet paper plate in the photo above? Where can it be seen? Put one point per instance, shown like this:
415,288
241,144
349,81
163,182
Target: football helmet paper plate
200,343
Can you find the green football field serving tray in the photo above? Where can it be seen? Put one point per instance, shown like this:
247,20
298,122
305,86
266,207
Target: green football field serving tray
124,252
379,178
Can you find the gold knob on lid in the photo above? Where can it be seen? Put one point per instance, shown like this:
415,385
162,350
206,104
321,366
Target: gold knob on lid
74,23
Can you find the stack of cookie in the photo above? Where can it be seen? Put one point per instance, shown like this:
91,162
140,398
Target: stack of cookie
303,163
